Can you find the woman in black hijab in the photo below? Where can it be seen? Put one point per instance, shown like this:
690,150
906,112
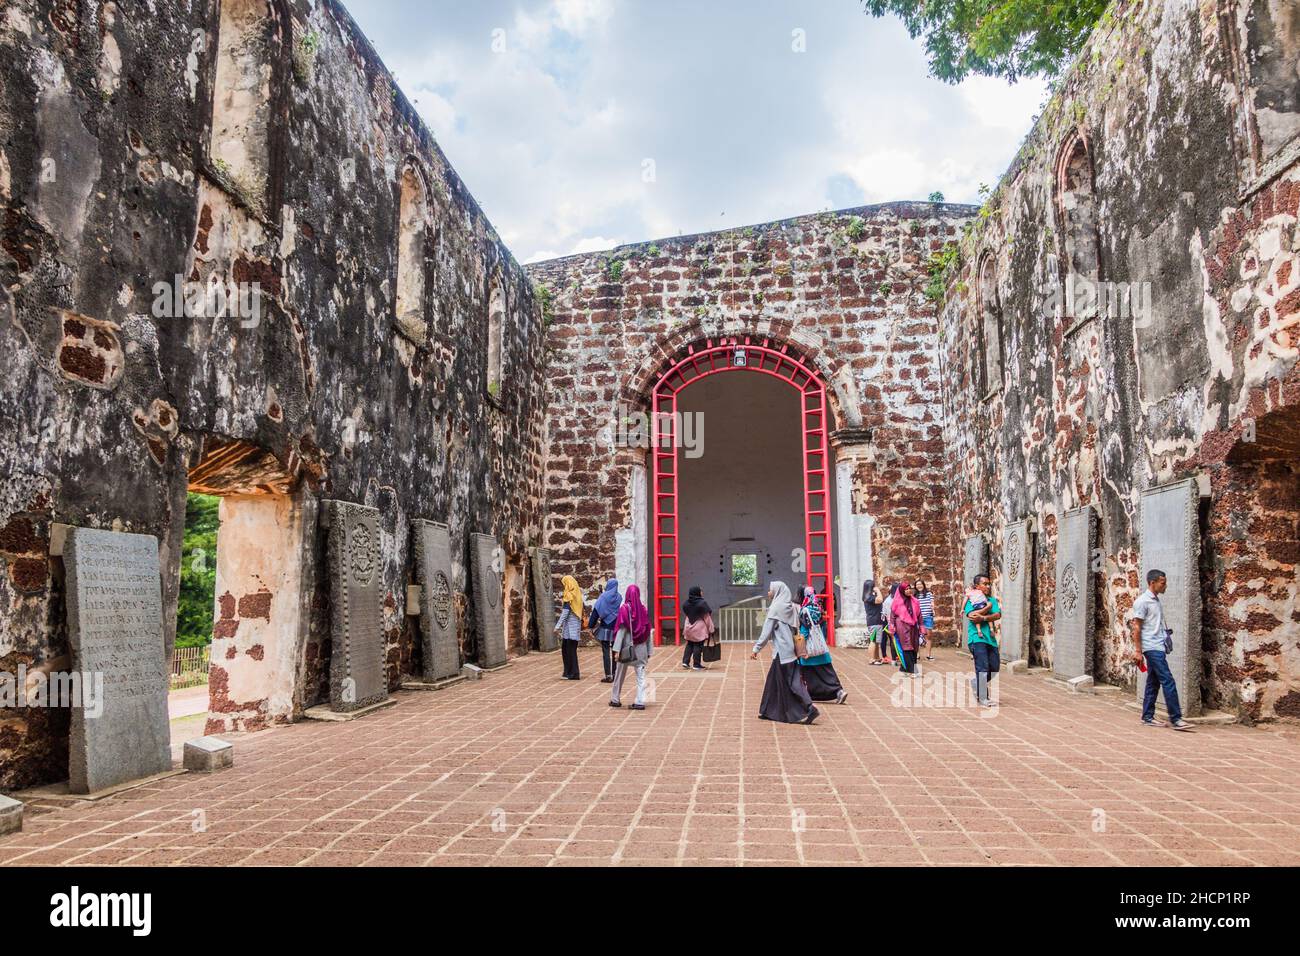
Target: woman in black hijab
698,627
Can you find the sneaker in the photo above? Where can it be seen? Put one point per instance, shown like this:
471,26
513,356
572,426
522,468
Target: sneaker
614,703
1182,725
812,715
685,666
1154,723
637,707
607,680
698,668
841,697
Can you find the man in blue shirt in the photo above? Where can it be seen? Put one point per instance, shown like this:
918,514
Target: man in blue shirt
979,638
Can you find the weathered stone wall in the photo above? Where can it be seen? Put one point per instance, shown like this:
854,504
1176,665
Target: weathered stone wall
1166,158
843,290
117,173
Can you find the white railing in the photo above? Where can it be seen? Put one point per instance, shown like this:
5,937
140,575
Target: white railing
742,621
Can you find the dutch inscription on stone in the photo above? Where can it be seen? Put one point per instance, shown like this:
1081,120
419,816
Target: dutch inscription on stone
357,647
1171,541
438,634
544,599
488,600
1017,583
1075,594
976,559
115,630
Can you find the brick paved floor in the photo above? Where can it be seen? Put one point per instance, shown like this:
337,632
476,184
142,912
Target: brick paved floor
524,768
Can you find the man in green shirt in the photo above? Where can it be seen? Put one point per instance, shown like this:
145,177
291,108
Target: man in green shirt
980,616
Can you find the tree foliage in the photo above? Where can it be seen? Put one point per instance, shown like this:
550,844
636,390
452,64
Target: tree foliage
1006,38
198,572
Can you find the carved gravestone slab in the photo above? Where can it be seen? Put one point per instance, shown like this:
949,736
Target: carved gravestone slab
1075,594
115,629
976,560
357,647
438,634
544,599
1017,584
489,600
1171,541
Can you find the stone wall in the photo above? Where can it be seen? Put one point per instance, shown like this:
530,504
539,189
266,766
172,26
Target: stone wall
843,290
254,145
1163,175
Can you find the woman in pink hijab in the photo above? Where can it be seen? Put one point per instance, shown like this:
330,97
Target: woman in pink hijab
632,627
905,625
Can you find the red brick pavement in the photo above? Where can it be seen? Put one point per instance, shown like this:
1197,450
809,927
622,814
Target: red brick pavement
524,768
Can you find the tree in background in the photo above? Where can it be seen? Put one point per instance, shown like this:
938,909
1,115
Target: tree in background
198,572
1006,38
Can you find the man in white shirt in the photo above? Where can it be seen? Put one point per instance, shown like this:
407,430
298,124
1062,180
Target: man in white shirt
1152,643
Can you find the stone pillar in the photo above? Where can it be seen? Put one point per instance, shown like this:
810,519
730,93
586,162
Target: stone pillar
632,542
853,550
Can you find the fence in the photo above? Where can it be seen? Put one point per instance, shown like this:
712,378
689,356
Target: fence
190,666
742,621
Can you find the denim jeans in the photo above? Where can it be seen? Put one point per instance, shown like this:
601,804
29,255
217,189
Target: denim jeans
1159,677
987,663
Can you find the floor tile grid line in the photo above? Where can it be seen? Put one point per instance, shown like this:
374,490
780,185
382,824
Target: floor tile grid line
849,829
614,732
718,698
619,850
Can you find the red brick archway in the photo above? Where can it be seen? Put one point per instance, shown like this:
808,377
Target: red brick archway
712,357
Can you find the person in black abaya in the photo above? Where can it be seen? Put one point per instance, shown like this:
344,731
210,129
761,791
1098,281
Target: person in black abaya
785,696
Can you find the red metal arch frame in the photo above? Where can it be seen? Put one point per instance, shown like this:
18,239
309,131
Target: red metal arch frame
738,355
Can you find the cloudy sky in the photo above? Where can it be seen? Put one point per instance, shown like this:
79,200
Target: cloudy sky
582,124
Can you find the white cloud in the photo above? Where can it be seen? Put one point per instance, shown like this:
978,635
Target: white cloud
551,135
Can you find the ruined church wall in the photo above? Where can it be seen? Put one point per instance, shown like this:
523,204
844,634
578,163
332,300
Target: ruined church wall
113,181
844,290
1166,158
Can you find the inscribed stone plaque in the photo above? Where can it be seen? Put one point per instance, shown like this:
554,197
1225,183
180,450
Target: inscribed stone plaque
1075,594
544,599
976,560
488,602
441,642
357,646
1017,583
1171,541
115,630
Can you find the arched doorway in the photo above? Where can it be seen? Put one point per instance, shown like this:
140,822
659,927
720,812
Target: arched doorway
709,358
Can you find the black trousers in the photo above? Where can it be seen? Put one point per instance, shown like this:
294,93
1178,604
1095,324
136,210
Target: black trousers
607,658
569,654
909,661
692,649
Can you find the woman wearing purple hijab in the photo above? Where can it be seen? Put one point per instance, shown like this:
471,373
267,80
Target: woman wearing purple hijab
633,625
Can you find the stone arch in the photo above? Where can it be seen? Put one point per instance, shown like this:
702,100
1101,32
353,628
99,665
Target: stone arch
841,390
497,308
248,80
412,252
988,336
1075,207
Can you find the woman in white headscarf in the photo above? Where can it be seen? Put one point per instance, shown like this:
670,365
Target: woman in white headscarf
785,697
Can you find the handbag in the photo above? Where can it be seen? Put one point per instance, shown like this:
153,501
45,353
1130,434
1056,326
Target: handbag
712,651
815,642
626,652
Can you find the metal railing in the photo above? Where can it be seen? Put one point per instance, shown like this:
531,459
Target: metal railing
190,666
742,621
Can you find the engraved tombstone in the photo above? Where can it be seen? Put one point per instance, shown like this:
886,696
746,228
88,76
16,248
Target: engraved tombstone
544,599
976,560
114,593
488,566
441,643
1017,583
1075,594
357,646
1171,542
